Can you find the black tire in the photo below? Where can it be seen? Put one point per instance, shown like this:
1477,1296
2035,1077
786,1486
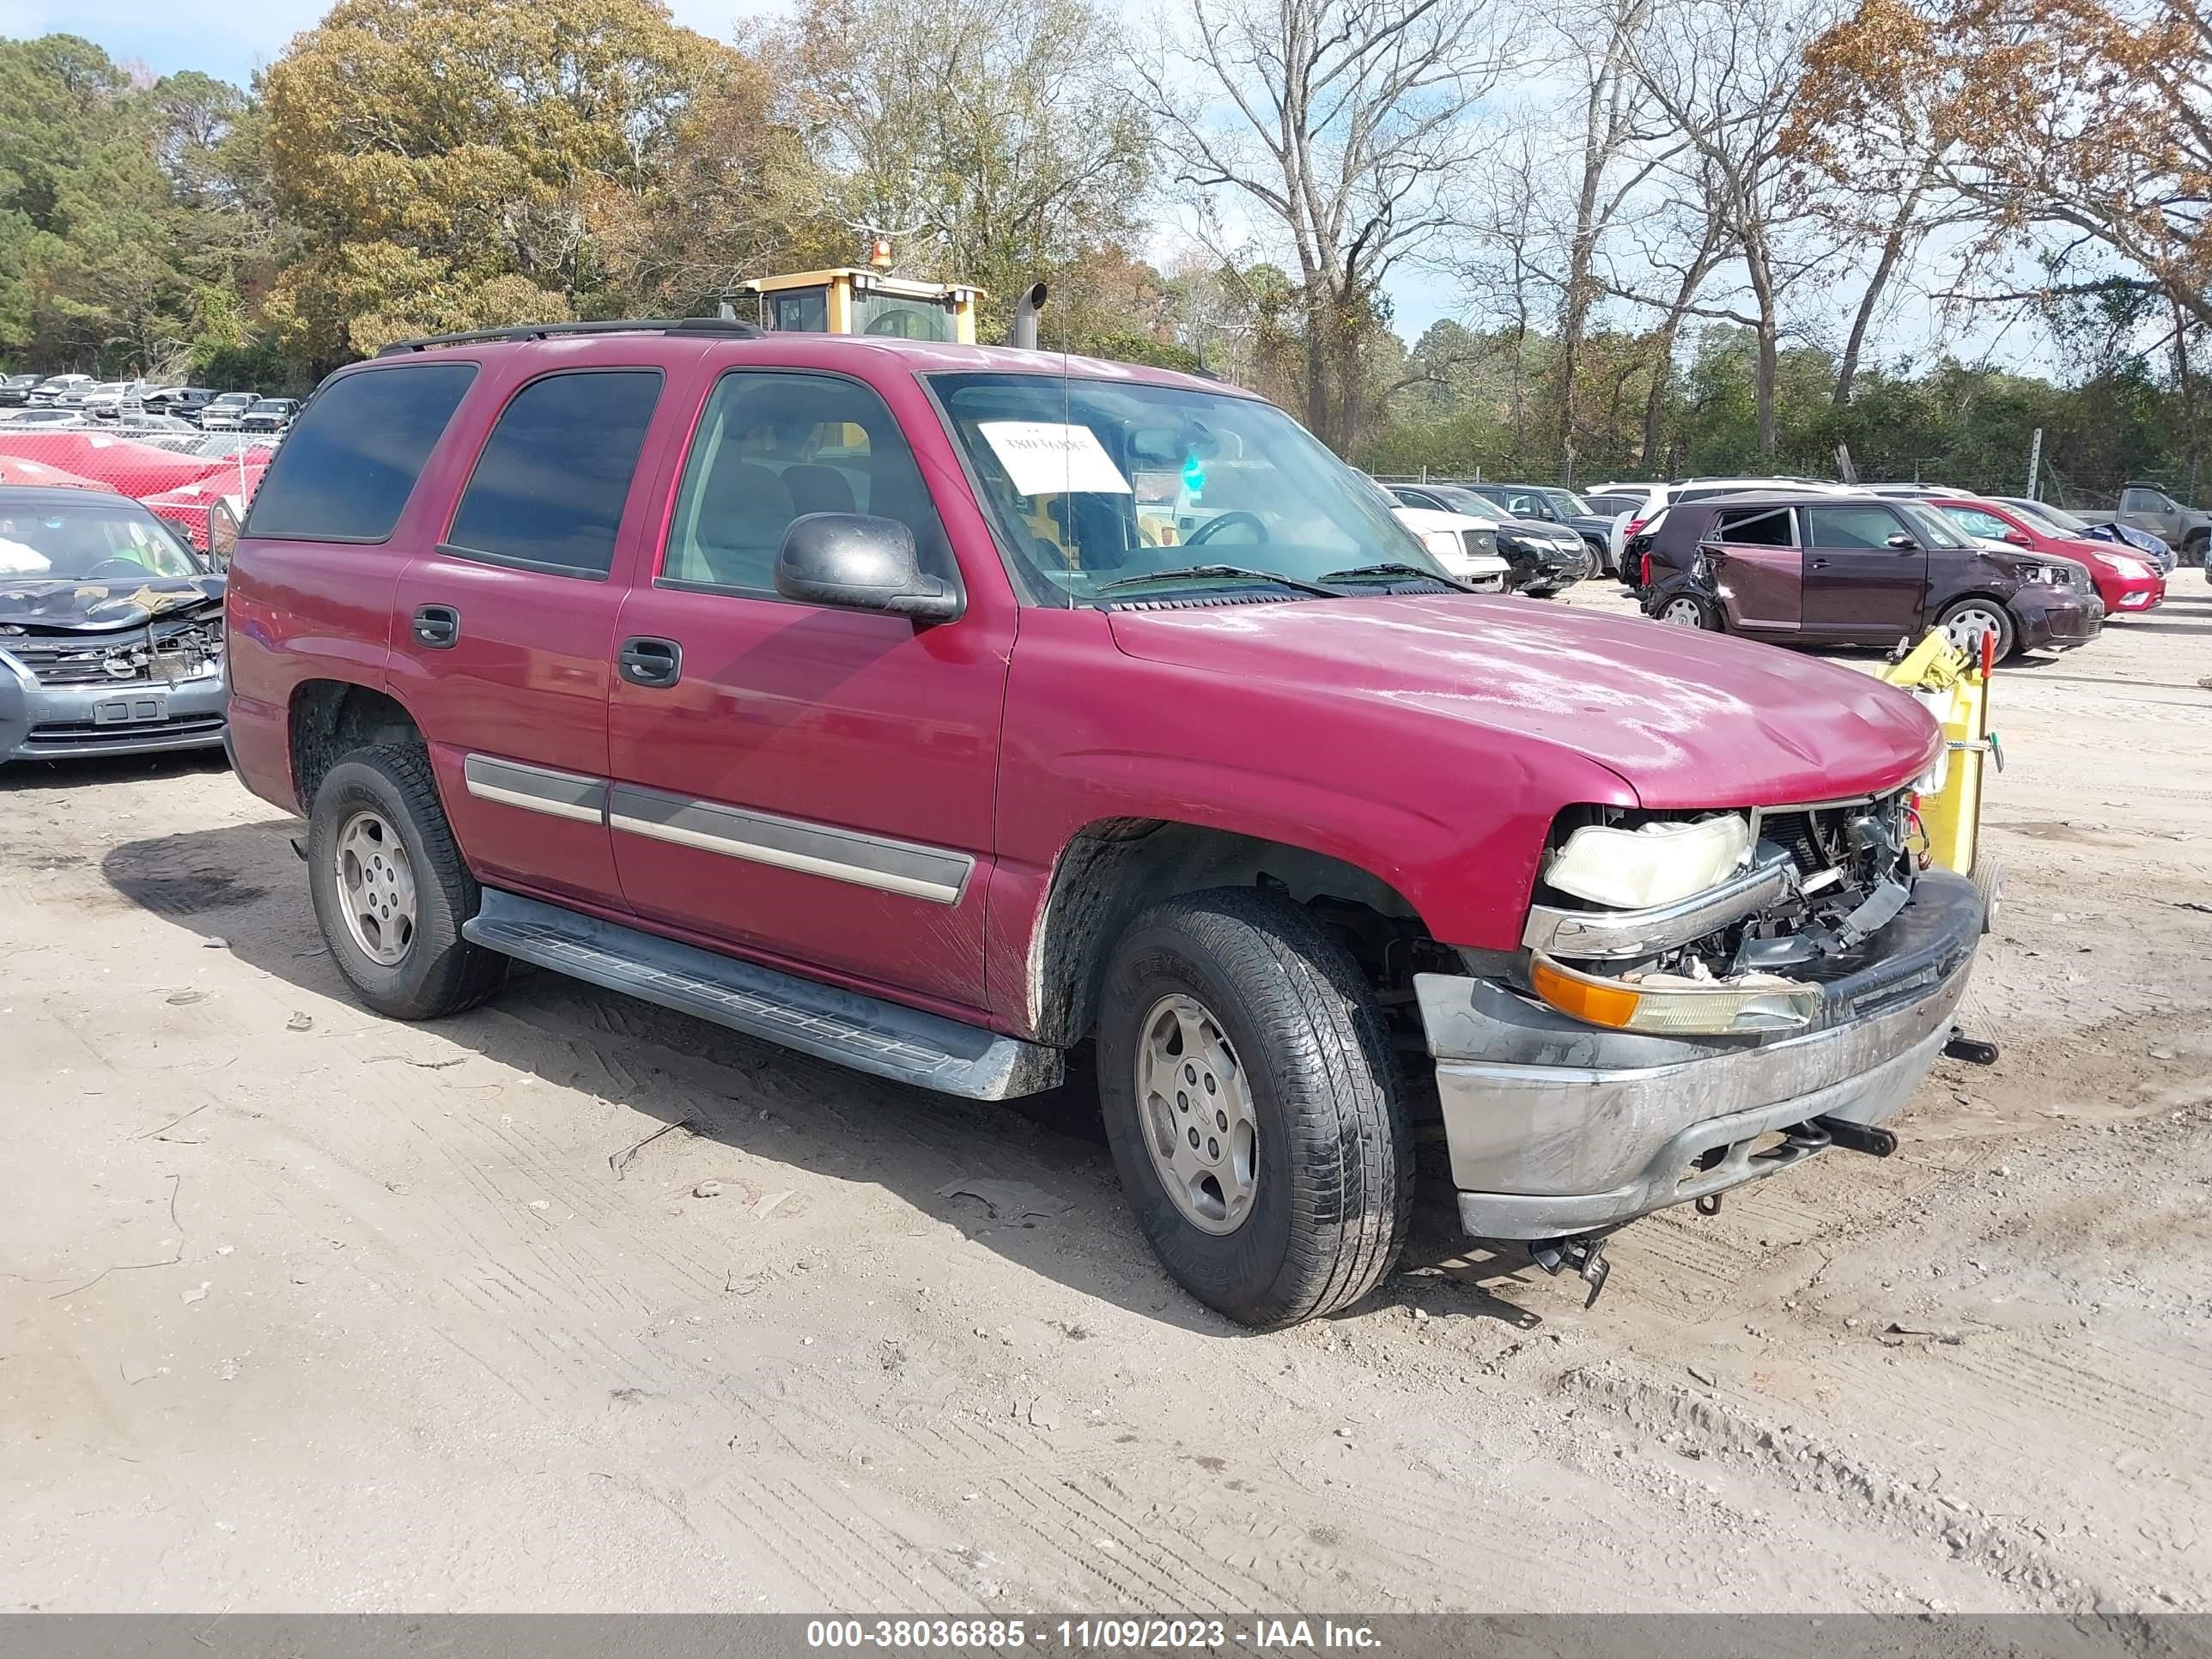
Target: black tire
440,973
1989,882
2195,549
1334,1187
2007,632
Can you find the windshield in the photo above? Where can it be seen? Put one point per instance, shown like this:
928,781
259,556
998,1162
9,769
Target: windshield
1094,482
89,543
1932,528
2057,517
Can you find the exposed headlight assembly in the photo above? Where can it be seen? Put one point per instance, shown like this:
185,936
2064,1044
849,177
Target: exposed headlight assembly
1657,864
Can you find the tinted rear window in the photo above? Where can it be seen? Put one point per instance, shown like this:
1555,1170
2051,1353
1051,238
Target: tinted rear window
353,456
549,489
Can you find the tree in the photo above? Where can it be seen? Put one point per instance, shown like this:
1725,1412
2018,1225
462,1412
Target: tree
2077,119
106,256
995,137
1724,74
444,159
1337,127
1613,157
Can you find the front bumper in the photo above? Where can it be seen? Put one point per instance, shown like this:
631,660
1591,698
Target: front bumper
1546,565
1555,1127
64,722
2056,622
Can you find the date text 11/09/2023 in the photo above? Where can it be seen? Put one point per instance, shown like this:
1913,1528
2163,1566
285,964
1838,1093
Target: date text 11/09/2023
1288,1635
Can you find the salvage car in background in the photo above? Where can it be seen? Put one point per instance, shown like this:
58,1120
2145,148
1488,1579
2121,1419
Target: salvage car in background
1465,546
2094,526
269,415
1544,559
2148,507
1821,567
223,414
111,631
1557,506
2126,582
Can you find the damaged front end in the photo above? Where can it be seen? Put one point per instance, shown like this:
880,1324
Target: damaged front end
85,670
1702,1000
1746,953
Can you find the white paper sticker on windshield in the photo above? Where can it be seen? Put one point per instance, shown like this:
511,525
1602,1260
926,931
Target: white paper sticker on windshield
1044,458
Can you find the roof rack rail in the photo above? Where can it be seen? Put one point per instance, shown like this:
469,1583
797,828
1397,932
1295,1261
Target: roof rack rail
734,327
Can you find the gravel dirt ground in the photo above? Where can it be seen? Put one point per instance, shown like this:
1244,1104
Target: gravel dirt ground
571,1303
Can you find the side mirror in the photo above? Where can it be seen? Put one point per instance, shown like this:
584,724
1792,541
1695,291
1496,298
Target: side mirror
854,562
1904,543
2017,538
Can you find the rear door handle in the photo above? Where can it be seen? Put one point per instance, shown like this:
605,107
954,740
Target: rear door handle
650,662
437,626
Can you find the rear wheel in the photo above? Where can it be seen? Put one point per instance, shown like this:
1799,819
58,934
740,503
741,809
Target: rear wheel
1684,611
1252,1101
390,889
1968,621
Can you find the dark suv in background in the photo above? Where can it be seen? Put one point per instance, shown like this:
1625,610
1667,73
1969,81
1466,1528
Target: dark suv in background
1826,569
1553,504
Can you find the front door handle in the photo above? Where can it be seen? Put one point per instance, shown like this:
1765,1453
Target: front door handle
437,626
650,662
1819,564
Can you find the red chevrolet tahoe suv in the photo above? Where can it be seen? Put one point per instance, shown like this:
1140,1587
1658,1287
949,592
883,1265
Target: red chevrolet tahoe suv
906,704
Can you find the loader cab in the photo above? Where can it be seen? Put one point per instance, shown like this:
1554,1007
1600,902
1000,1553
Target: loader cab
853,300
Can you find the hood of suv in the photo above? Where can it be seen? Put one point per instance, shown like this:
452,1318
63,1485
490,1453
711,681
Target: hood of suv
1685,718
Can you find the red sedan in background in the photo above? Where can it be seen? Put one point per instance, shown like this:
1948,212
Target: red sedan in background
2127,583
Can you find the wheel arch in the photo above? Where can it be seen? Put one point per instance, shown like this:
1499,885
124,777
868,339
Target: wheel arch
330,718
1112,869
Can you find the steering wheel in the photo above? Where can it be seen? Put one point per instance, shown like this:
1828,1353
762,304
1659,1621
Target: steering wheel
121,568
1204,533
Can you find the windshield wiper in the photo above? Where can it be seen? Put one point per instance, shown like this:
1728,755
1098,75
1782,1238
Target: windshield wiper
1237,571
1393,569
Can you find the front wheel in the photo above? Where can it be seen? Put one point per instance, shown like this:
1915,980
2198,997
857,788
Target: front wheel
1966,623
1253,1104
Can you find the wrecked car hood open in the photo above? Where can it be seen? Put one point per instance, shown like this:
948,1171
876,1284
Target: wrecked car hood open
66,606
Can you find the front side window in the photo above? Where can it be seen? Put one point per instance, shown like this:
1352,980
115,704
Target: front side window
771,447
1093,483
353,455
801,311
1850,526
548,491
1765,528
2147,501
89,543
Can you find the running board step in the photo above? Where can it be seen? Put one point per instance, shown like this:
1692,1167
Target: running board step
863,1032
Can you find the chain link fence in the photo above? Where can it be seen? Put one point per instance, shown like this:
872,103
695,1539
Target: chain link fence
200,483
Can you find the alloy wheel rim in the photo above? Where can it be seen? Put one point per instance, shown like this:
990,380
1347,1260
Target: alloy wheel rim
1683,613
375,888
1201,1125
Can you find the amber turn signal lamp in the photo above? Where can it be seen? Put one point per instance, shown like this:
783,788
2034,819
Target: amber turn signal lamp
1600,1005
